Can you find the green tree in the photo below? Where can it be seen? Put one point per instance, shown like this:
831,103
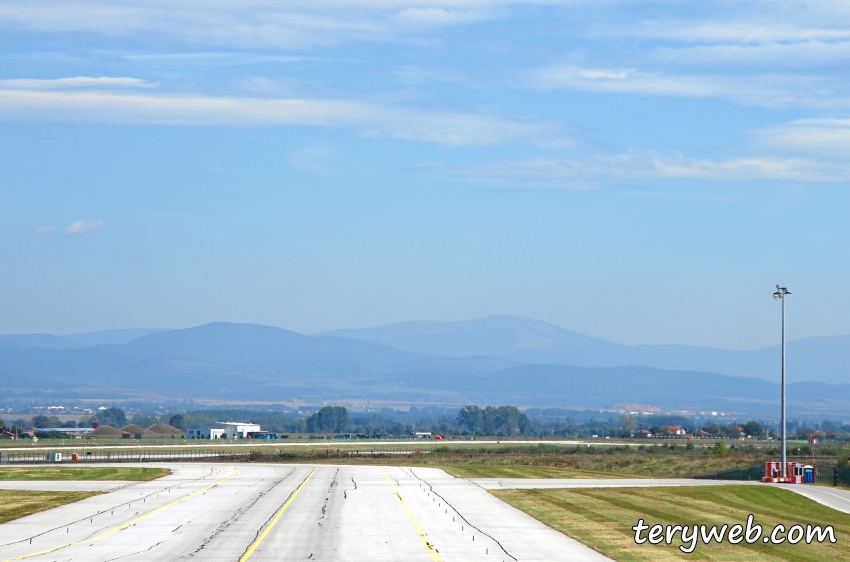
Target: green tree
720,449
116,417
753,428
144,421
177,421
40,421
628,422
328,419
504,420
2,423
471,417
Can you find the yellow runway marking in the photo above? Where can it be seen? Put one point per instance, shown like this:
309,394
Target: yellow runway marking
262,537
419,530
125,525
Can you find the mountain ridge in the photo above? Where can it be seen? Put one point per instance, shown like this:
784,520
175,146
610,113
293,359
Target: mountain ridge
529,341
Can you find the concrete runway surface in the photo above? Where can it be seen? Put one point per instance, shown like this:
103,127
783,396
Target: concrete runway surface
258,512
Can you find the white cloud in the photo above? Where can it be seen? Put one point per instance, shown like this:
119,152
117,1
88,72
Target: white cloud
44,230
812,136
251,23
598,169
442,127
83,226
748,30
75,82
770,90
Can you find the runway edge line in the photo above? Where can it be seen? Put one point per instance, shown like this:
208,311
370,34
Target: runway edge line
419,530
125,525
273,522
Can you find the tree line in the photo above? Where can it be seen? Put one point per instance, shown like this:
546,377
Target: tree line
469,420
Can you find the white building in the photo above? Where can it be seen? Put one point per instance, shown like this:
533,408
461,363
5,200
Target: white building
222,430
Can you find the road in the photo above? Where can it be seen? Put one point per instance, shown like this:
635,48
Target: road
256,512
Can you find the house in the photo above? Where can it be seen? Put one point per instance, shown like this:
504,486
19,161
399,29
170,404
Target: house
643,433
223,430
674,430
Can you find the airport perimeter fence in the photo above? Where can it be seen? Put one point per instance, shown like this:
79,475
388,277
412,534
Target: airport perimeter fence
827,473
66,457
749,473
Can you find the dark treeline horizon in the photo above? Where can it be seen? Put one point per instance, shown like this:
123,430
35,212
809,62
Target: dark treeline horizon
469,420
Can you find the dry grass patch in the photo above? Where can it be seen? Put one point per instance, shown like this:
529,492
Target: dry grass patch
136,474
15,504
522,471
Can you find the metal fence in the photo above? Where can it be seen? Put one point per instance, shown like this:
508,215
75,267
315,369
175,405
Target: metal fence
65,456
827,473
749,473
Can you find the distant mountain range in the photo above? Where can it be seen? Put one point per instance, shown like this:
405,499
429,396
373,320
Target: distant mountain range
76,341
497,360
823,359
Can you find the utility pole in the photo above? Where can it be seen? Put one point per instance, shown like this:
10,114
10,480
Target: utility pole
780,293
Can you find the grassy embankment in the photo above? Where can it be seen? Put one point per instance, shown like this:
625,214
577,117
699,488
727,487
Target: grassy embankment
603,518
135,474
15,504
537,461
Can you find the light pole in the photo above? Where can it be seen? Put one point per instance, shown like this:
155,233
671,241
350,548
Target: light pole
780,294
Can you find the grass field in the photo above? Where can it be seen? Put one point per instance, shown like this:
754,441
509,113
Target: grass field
15,504
81,473
537,461
590,465
522,471
603,519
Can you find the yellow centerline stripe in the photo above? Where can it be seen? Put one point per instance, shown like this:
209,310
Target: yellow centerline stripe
125,525
273,522
419,530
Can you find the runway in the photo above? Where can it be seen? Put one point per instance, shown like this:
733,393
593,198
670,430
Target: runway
256,512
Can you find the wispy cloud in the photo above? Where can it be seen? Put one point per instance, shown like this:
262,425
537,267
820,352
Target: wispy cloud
766,90
44,230
442,127
599,169
75,82
83,226
824,137
252,23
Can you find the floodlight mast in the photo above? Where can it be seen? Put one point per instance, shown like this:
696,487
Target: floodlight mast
780,294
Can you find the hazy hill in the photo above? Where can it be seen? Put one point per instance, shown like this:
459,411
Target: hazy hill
117,337
252,362
75,341
825,359
245,361
37,340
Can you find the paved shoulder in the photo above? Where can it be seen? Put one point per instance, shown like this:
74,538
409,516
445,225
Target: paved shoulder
835,498
519,535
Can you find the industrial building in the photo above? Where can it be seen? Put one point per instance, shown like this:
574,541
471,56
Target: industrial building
224,430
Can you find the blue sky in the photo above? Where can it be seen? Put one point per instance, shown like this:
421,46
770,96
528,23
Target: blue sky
643,172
